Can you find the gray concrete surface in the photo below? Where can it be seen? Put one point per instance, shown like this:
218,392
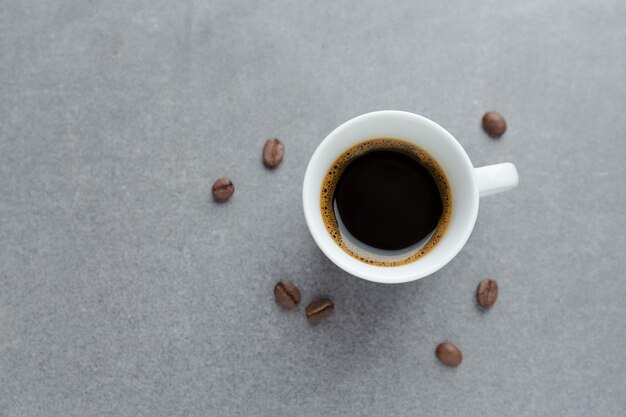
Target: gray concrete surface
125,291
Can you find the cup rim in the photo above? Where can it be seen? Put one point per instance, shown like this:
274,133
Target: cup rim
353,266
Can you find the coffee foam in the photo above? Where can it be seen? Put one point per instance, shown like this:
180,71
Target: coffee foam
343,240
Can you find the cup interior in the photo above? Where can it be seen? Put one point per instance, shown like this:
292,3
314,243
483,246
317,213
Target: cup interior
429,136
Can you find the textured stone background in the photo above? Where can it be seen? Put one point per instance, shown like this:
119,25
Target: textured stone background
125,291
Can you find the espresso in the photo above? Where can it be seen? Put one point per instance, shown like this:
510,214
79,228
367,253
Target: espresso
386,195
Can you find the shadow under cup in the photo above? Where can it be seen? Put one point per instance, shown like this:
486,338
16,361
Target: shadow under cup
424,134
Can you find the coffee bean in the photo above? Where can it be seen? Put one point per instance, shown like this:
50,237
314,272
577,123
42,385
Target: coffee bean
487,293
449,354
223,189
287,294
318,310
273,152
494,124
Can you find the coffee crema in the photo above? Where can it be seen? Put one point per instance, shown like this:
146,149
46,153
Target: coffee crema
386,202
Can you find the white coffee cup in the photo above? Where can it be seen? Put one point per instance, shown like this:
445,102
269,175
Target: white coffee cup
466,182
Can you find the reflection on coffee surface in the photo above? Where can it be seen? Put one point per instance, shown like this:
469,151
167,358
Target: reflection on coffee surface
385,195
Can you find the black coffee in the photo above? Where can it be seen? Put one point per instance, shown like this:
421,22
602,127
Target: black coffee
388,200
388,194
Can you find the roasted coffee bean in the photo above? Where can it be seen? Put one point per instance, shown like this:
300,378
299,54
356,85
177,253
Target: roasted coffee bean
449,354
318,310
273,152
494,124
487,293
287,294
223,189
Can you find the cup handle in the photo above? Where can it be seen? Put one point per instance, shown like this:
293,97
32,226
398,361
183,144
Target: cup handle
493,179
